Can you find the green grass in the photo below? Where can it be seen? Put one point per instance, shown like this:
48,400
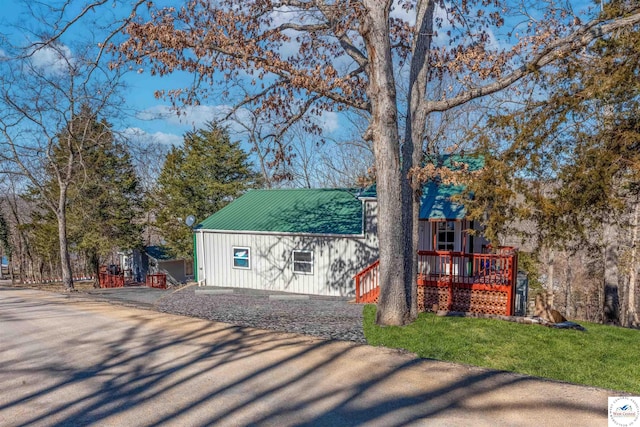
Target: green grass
603,356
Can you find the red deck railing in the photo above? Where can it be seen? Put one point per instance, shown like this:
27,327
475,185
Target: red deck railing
455,281
367,287
157,281
108,280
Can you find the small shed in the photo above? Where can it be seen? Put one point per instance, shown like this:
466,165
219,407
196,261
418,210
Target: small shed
178,270
139,263
310,241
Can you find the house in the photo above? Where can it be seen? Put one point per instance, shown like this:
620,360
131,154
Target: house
458,270
310,241
324,242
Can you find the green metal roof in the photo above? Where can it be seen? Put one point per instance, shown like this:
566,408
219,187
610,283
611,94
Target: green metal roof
436,202
314,211
436,198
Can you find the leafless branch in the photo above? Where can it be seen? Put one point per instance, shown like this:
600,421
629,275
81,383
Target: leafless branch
552,52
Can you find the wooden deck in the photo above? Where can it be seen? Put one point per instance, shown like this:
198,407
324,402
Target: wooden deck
455,281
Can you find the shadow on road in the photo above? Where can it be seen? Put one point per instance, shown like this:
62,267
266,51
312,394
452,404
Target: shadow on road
147,369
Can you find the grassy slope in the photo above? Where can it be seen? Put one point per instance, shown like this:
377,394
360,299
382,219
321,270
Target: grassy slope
604,356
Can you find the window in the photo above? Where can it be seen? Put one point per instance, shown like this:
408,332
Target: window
241,258
446,235
303,262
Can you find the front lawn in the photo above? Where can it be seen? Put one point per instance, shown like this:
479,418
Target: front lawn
603,356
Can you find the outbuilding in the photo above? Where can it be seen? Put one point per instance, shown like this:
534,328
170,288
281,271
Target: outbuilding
311,241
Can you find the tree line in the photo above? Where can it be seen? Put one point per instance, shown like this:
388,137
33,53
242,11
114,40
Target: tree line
567,163
107,210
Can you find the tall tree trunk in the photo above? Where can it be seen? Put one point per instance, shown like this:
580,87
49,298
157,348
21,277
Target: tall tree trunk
611,305
412,155
631,319
65,258
20,239
551,259
567,295
94,261
13,279
392,302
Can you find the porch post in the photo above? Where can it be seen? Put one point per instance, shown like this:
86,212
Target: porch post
450,302
463,236
434,232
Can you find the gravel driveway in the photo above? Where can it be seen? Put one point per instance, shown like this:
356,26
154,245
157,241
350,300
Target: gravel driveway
325,317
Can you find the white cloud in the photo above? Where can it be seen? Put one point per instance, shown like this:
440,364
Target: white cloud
54,60
166,138
156,137
157,112
189,116
329,122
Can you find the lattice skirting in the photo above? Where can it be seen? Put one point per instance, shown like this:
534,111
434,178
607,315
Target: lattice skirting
464,300
370,297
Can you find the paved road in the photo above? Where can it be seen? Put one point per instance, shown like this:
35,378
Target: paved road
79,362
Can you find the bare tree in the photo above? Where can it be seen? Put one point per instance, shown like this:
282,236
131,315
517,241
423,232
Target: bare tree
270,148
47,88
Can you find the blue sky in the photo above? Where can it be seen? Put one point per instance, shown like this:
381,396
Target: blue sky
153,117
140,87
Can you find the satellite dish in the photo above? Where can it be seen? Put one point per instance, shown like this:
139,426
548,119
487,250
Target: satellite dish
190,220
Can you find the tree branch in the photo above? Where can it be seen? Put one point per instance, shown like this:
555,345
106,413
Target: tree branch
552,52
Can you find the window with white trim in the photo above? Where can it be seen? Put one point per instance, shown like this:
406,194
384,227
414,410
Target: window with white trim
303,262
241,258
446,235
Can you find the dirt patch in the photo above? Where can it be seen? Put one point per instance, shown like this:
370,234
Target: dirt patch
80,286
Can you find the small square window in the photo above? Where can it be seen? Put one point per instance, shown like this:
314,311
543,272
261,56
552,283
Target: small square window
303,262
241,258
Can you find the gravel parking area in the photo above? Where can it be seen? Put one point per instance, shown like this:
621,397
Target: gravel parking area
325,317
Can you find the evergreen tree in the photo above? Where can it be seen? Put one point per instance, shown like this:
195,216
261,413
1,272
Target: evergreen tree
105,203
569,163
102,196
198,179
43,243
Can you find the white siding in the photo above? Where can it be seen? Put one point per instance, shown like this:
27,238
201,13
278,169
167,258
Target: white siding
426,232
425,235
336,259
